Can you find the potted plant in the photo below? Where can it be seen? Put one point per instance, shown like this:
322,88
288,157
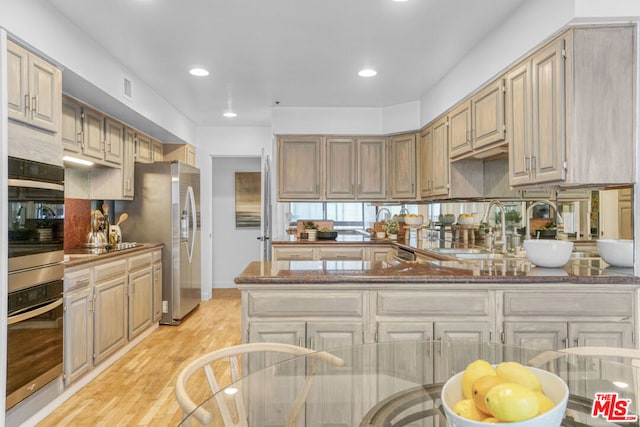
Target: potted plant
311,229
391,227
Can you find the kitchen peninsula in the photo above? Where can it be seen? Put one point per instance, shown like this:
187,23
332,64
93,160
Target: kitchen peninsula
333,303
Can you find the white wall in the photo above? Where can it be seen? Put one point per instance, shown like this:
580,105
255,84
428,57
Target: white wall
44,29
222,141
232,248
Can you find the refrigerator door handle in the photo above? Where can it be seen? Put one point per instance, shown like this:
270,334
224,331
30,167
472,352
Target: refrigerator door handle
191,207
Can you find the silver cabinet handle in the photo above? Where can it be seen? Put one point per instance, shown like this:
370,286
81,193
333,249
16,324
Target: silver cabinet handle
34,104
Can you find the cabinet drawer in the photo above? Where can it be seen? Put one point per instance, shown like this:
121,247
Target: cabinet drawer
157,256
306,304
356,254
397,303
284,254
137,262
568,304
77,279
110,270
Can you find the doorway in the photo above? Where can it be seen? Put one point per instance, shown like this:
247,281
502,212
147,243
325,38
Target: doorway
234,241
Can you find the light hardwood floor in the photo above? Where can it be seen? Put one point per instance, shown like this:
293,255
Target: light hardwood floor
139,389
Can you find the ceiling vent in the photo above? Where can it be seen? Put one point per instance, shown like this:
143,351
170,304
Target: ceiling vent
127,89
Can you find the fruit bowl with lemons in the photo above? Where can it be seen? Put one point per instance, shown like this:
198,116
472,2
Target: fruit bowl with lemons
413,219
507,393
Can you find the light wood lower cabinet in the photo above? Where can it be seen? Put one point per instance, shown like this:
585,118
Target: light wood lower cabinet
157,285
106,305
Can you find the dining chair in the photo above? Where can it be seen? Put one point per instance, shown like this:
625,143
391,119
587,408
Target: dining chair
232,355
631,354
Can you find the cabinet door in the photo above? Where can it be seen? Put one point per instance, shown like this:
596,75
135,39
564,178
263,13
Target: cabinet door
440,159
548,113
378,254
93,133
128,163
114,134
191,155
157,291
487,108
408,365
71,125
460,129
299,172
140,301
157,154
110,329
446,363
143,149
518,122
402,166
78,334
323,335
425,147
18,82
542,335
45,87
340,168
601,334
372,168
282,332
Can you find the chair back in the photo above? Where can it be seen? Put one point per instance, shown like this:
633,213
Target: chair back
232,354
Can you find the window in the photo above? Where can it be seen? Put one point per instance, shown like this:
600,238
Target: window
344,215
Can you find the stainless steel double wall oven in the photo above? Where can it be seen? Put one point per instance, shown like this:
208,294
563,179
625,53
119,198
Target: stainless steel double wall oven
35,278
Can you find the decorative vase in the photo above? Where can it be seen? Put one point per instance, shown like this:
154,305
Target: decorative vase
312,234
393,236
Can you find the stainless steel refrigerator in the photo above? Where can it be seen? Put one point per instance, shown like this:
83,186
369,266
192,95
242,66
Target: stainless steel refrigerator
166,209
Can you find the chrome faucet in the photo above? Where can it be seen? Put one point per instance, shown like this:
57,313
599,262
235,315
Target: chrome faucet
538,203
385,210
503,229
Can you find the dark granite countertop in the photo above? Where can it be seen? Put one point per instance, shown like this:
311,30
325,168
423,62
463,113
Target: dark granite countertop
508,270
79,256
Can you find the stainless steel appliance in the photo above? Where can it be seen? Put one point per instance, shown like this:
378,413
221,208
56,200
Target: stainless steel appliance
35,277
166,209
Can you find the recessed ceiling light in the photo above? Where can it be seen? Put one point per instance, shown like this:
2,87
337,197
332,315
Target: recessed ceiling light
367,72
199,72
399,1
230,114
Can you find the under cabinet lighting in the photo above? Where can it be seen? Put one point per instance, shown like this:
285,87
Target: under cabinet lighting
76,160
230,114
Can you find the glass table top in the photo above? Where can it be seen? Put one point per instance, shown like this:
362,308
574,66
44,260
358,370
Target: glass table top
396,384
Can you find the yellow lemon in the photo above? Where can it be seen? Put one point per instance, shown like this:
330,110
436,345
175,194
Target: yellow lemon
476,369
545,404
514,372
512,402
491,420
467,409
481,387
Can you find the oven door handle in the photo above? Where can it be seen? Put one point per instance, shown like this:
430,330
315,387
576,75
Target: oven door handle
34,313
34,184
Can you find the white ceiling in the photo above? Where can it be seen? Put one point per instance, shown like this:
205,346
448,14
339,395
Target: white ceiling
302,53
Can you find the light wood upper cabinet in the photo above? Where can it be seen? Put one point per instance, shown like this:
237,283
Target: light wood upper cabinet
93,133
143,149
157,152
114,136
372,168
299,167
34,89
570,113
402,166
71,128
183,152
460,141
340,168
434,159
487,107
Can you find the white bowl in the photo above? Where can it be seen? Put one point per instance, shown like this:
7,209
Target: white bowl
465,220
552,385
413,220
548,253
618,253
